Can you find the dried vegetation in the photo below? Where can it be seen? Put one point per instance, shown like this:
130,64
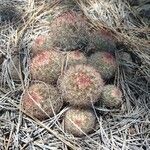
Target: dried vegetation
127,128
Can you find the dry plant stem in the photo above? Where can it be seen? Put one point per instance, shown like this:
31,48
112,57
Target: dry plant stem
9,139
73,146
125,129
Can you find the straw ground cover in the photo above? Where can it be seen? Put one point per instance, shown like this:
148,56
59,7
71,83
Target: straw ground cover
126,128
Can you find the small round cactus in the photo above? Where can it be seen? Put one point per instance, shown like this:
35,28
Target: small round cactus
111,96
67,30
125,57
81,85
105,63
79,122
74,58
41,101
39,44
101,40
46,66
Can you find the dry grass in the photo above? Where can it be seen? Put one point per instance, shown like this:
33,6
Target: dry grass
128,128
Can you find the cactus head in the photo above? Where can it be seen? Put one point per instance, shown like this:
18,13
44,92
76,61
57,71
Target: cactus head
111,96
81,85
46,66
41,101
79,121
105,63
39,44
74,58
67,31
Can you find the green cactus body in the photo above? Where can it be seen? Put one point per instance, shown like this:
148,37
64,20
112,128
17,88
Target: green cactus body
105,63
111,96
41,101
79,121
46,66
81,85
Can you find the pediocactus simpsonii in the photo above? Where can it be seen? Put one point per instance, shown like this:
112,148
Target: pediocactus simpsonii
79,122
41,101
74,58
68,30
81,85
111,96
105,63
46,66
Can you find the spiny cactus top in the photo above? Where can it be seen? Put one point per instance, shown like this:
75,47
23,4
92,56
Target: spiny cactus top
41,101
81,85
111,96
105,63
79,122
46,66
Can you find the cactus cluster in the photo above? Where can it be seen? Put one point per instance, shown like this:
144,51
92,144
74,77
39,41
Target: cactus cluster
72,77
